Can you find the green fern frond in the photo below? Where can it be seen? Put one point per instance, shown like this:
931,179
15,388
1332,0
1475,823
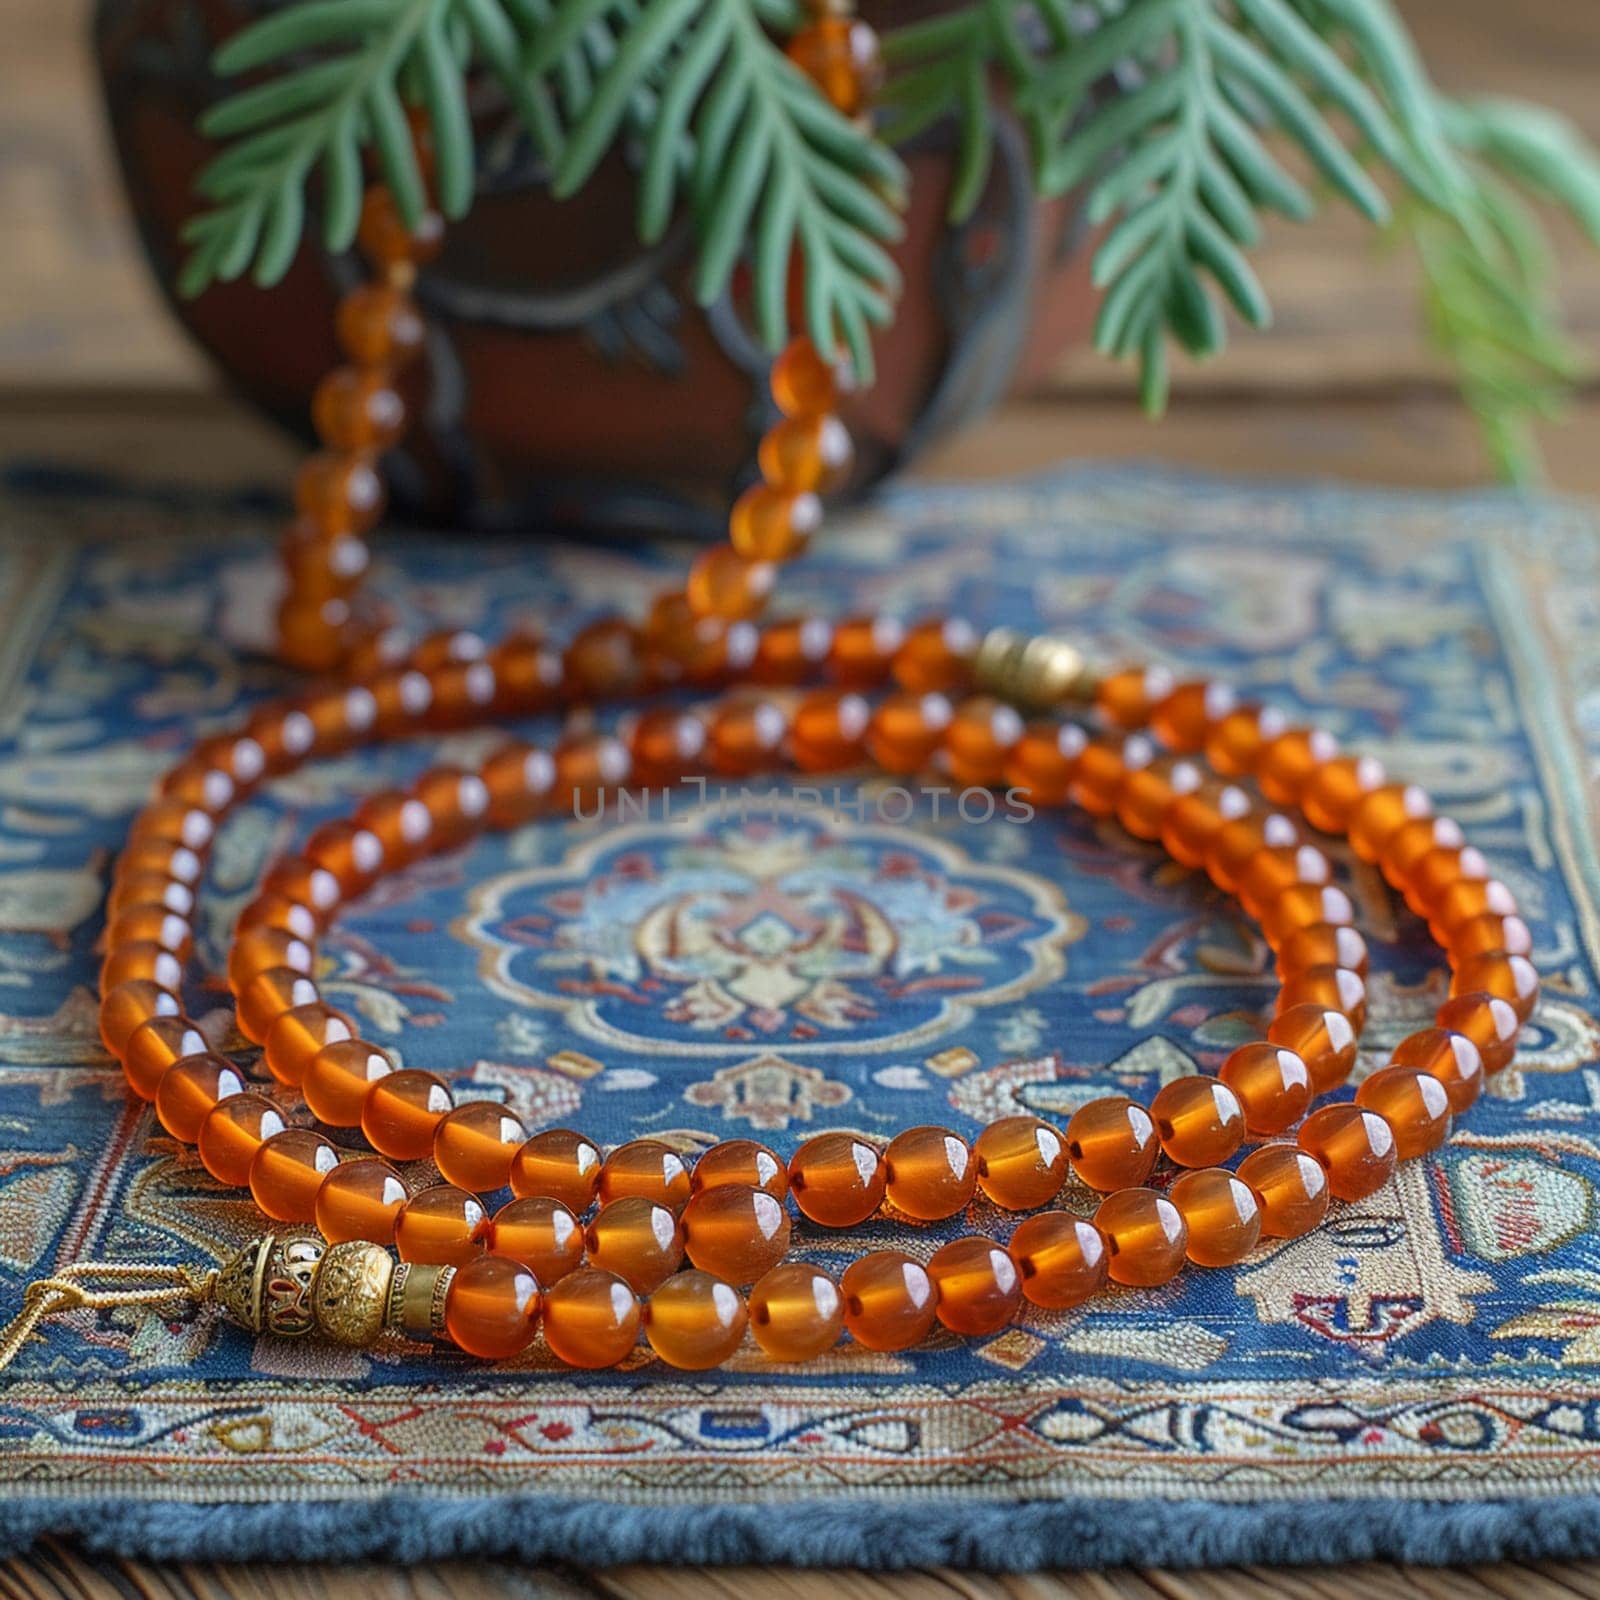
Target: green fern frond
311,119
761,158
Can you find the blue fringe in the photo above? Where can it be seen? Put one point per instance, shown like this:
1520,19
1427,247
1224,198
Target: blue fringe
889,1532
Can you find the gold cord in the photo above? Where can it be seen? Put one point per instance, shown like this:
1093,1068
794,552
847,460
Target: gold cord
150,1284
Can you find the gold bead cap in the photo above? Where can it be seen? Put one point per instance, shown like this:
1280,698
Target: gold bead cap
1033,670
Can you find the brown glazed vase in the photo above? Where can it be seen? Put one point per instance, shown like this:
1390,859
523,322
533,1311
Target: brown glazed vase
571,379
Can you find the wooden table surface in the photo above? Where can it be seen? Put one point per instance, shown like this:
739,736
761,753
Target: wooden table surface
91,372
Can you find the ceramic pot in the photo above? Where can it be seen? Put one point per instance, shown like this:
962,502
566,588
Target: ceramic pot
570,378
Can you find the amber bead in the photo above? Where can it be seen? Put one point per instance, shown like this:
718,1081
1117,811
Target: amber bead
1237,843
746,737
937,656
1381,813
127,1006
1042,762
767,524
863,648
379,325
1149,792
796,1312
649,1168
475,1144
1322,944
386,241
401,823
357,408
1334,789
1112,1143
174,823
735,1232
1021,1162
742,1163
1489,1021
143,959
1306,905
1182,718
907,729
1414,1104
841,55
603,660
803,384
338,493
1271,1084
542,1234
1274,869
723,583
360,1199
1483,935
150,889
1291,1186
808,454
1192,824
339,1078
311,632
295,1036
929,1173
288,1170
190,1088
519,779
200,782
980,734
261,949
1335,988
1287,763
1357,1147
695,1321
154,1046
354,855
1452,1058
527,674
281,914
1406,849
1465,902
491,1308
233,1131
792,650
1128,697
401,1114
1061,1258
441,1226
1198,1120
837,1179
889,1300
1323,1039
1221,1213
829,730
557,1164
155,925
591,1319
1438,872
636,1238
977,1285
1145,1237
1098,777
665,744
458,803
1235,742
1506,977
586,765
162,857
311,885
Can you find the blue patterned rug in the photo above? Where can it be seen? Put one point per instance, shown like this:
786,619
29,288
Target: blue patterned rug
1421,1377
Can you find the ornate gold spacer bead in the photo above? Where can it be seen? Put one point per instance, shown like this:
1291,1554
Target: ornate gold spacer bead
1034,671
350,1294
416,1300
267,1286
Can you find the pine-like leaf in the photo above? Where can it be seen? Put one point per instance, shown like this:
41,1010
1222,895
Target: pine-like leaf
768,168
314,119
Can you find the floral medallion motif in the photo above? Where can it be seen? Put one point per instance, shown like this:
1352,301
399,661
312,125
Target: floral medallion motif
709,934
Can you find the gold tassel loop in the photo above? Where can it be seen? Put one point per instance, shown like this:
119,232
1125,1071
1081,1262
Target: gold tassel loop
102,1286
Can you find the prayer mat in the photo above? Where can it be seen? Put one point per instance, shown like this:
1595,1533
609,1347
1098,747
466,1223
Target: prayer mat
1418,1378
